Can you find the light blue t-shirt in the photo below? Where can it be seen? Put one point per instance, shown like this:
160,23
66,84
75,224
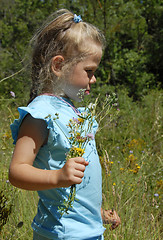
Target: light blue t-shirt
84,220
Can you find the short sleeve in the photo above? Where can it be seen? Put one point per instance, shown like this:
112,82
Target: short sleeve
23,111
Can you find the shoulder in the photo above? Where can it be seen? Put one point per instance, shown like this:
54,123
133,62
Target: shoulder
34,128
34,116
33,122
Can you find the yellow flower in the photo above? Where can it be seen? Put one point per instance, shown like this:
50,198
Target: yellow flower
81,120
121,168
79,150
159,184
136,144
132,157
114,184
16,115
7,135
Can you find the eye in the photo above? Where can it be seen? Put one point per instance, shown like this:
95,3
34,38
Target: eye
90,73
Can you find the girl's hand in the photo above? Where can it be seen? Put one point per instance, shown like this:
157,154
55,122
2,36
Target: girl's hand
110,217
72,172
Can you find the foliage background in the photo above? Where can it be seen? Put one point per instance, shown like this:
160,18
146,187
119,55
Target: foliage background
133,30
130,148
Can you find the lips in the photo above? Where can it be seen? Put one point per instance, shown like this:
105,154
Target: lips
87,92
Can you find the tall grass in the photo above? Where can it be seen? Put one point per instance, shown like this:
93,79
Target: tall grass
131,156
23,203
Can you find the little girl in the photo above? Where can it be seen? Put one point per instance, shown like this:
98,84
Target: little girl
67,52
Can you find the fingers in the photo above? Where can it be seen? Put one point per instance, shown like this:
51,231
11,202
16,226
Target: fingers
115,221
114,225
79,168
111,217
79,174
73,171
111,212
80,160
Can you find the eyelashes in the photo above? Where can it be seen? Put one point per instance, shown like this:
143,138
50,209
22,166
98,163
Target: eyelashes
90,73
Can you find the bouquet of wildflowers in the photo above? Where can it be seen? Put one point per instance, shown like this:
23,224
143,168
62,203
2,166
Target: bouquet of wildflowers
80,135
80,130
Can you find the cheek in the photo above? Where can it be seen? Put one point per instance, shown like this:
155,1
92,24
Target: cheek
79,79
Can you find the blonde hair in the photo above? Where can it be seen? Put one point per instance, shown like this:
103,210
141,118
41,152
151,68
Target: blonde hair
59,36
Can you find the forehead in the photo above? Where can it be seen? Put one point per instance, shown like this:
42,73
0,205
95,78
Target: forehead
94,57
92,50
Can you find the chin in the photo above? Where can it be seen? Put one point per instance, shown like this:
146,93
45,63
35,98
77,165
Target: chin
77,96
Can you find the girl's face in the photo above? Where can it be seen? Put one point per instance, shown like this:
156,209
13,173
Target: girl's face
82,75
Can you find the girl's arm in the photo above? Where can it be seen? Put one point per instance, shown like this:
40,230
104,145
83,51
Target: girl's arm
32,135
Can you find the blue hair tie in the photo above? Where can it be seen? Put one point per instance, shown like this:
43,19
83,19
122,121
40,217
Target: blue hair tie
77,19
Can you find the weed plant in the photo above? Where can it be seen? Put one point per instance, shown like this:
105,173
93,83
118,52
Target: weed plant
130,151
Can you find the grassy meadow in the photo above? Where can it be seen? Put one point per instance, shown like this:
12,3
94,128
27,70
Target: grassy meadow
131,157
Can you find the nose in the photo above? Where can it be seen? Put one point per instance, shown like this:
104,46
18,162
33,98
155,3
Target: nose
93,79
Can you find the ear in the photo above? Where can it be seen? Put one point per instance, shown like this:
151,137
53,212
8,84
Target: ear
56,65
